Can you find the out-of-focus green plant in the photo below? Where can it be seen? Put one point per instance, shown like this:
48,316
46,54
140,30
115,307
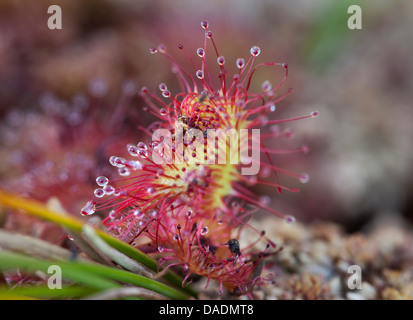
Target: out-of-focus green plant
85,277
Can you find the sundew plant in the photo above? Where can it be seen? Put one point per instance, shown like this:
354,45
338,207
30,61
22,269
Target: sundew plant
183,194
175,208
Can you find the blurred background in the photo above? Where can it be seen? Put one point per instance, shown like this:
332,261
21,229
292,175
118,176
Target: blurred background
67,97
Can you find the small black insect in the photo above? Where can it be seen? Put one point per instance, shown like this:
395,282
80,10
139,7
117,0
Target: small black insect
233,246
202,96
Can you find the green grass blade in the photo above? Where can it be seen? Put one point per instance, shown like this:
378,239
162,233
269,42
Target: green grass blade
89,274
67,221
70,271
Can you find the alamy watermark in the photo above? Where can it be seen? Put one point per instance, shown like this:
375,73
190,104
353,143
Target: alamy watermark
355,280
55,279
354,21
55,20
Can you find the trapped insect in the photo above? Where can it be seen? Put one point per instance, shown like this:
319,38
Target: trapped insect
234,247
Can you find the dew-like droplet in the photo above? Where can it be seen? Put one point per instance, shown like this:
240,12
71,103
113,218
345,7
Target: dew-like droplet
271,108
240,63
162,48
255,51
137,213
112,214
133,150
265,172
153,50
204,24
208,34
266,86
109,190
177,237
150,190
189,214
163,87
99,193
166,94
160,249
142,146
112,160
124,172
305,149
119,162
304,178
98,88
89,208
199,74
204,231
163,112
174,69
265,200
221,60
143,154
200,52
289,219
102,181
314,114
